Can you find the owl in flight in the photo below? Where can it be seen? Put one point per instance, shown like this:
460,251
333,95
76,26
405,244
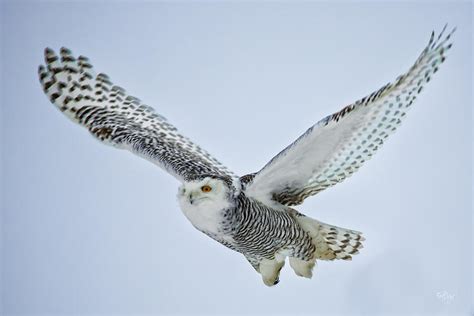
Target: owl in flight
252,214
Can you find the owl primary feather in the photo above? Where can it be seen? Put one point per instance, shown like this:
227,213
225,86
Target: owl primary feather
252,214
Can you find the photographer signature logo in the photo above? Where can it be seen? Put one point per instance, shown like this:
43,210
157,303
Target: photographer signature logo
445,297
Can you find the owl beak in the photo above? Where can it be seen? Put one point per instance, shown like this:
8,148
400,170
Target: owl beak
191,200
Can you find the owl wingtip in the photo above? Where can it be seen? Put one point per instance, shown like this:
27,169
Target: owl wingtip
65,50
48,51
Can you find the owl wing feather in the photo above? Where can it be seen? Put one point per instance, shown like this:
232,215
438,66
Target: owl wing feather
121,120
337,146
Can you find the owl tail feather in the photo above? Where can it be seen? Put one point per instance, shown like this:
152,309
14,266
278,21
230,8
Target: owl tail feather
331,242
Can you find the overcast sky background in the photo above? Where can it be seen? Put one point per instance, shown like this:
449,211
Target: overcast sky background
88,229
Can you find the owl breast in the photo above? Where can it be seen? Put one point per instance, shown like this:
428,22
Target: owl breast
206,216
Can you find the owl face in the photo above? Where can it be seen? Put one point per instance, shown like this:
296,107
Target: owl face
209,191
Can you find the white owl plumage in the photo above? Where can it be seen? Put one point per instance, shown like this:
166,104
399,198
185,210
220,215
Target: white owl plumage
250,214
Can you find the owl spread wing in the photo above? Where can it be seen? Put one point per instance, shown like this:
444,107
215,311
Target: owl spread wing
121,120
338,145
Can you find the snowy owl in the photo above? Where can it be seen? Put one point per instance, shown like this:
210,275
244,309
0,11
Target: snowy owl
252,214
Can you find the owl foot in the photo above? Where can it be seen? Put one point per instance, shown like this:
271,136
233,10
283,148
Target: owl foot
302,268
270,271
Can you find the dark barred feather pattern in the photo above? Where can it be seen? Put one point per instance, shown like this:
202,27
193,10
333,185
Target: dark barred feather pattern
259,232
338,145
121,120
332,242
271,231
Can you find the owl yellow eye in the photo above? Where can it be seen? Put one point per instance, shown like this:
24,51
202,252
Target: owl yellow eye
206,189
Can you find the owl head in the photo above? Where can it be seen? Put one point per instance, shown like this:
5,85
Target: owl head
208,191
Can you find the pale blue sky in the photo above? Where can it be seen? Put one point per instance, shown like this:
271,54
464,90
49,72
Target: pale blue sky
88,229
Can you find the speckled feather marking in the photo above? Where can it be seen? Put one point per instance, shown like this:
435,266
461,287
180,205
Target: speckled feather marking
348,138
121,120
256,224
